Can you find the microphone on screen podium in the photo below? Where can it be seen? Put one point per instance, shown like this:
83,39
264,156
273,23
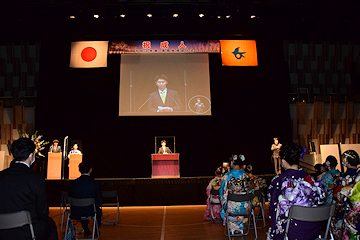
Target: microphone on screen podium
143,104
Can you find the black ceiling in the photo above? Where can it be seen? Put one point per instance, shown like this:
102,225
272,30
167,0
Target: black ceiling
288,19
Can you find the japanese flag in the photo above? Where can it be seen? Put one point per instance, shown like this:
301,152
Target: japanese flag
90,54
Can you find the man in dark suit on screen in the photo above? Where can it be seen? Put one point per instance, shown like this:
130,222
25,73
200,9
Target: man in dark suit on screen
164,99
23,189
85,187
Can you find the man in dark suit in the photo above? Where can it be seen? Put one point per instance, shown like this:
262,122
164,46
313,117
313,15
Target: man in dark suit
86,187
164,99
23,189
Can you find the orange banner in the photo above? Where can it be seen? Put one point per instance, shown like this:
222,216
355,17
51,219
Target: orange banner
238,53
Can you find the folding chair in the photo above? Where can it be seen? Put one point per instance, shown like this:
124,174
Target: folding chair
64,208
250,214
260,205
214,201
83,202
113,195
310,214
15,220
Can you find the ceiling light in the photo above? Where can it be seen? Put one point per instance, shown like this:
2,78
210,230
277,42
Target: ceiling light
253,16
175,15
149,15
96,16
227,16
218,16
122,15
72,16
201,15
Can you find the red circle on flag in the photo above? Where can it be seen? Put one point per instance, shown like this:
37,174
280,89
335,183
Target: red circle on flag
88,54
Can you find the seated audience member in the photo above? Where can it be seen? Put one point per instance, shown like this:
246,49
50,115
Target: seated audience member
317,172
259,183
86,187
215,184
23,189
293,187
323,169
237,181
348,188
329,179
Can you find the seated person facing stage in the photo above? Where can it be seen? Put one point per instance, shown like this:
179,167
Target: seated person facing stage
86,187
164,99
237,181
23,189
75,150
164,149
347,187
293,187
215,184
330,177
55,147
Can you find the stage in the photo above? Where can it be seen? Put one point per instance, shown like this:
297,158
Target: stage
147,191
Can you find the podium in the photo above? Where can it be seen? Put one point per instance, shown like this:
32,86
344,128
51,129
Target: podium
74,161
165,165
54,165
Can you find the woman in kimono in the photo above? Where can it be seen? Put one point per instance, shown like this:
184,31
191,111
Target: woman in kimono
293,187
237,181
329,179
215,184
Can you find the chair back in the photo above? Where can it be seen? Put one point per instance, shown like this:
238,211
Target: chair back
311,214
81,202
15,220
214,192
240,198
109,194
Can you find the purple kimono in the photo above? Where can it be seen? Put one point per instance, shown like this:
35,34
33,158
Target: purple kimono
293,187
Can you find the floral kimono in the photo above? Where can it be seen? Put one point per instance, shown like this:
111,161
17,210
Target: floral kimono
215,184
235,182
293,187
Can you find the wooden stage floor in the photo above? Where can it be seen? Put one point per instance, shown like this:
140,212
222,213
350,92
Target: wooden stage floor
162,223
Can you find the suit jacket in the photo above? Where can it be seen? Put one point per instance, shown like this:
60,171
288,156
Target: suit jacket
172,100
55,149
167,150
85,187
23,189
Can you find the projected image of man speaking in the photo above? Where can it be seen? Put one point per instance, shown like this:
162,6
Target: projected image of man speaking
164,99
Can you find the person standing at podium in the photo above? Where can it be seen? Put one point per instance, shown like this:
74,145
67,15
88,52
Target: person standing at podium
164,149
55,148
75,150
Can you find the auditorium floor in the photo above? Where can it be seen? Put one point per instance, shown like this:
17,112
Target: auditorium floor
160,223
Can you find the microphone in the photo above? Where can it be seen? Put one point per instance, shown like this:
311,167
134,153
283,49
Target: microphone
143,104
176,102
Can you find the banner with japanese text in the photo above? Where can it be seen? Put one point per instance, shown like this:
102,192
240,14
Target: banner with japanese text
164,46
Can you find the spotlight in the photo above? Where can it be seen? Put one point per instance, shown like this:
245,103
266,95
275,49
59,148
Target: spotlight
252,16
72,16
96,16
201,15
218,16
149,15
122,15
175,15
227,16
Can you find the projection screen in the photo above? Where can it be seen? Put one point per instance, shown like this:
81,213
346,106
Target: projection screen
164,85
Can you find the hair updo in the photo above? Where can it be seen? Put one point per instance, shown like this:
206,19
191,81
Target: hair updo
291,153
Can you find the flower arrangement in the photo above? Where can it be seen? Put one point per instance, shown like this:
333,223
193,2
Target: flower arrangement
39,144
